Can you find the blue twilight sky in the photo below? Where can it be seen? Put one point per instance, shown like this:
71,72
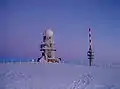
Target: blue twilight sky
23,21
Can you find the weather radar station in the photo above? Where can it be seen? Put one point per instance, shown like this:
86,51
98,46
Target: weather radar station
47,48
48,51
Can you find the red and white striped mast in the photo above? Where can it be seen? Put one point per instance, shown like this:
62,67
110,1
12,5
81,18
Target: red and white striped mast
90,51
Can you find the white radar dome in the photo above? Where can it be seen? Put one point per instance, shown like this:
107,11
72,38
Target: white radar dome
49,33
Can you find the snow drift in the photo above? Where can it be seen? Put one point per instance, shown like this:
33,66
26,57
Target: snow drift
57,76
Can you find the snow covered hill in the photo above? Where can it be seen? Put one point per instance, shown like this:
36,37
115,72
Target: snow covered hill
57,76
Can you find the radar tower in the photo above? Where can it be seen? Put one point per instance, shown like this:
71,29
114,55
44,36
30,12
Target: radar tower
47,47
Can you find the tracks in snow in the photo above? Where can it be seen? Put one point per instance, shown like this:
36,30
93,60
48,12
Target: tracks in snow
82,82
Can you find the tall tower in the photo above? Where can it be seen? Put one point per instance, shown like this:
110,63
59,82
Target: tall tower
47,47
90,51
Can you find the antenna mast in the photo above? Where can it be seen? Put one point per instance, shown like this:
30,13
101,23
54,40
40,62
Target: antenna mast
90,51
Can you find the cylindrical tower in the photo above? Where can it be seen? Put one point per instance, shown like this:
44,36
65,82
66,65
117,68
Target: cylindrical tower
47,47
50,50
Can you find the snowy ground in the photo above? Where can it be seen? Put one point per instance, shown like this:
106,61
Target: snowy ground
57,76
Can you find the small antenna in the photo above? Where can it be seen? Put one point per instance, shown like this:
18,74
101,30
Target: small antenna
90,51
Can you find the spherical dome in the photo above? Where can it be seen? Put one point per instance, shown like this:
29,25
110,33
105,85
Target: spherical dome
49,33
